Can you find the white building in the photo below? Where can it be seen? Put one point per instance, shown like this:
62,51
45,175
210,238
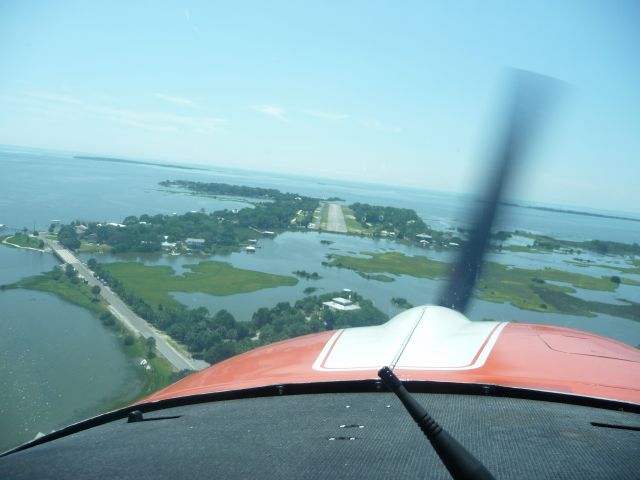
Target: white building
195,242
339,303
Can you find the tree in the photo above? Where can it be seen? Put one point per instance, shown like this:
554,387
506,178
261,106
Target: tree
95,290
91,263
69,271
151,342
615,279
56,273
224,319
220,352
68,238
52,227
129,340
107,319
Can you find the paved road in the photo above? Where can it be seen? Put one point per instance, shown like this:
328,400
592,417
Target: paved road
335,220
132,321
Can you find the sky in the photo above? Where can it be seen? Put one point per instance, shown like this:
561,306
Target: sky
403,93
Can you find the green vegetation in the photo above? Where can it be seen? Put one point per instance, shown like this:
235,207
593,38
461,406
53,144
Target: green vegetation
523,288
219,336
400,223
286,321
222,231
306,275
392,262
88,247
379,277
603,247
326,242
23,240
68,237
309,290
324,216
578,306
401,303
65,285
353,226
230,190
153,284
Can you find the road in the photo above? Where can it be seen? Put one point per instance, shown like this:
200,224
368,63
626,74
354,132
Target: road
121,311
335,220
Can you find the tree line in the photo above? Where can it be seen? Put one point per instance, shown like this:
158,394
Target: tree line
403,222
222,229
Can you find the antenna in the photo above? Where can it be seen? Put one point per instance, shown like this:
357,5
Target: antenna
460,463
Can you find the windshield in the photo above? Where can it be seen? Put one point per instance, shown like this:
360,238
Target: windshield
181,183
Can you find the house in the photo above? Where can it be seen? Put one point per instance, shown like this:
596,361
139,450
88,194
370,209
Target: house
267,233
339,303
195,242
250,249
80,229
424,236
168,245
253,241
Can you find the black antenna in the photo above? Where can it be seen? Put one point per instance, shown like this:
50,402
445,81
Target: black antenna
460,463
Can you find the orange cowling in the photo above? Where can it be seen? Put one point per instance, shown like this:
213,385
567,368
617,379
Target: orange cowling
537,357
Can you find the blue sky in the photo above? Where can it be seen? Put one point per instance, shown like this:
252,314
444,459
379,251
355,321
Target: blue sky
384,92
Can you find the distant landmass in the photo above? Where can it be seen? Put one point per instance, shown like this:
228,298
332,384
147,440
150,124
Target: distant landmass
137,162
573,212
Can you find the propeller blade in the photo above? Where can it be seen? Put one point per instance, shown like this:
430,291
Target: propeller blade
531,99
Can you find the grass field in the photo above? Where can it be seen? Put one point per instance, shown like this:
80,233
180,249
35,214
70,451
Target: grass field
324,215
86,247
524,288
353,226
153,284
78,294
23,240
394,263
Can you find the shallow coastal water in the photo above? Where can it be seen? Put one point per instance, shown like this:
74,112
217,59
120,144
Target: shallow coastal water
58,364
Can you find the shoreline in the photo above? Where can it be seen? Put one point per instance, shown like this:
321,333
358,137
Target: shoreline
15,245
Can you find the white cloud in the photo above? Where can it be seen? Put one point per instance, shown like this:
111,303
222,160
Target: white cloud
374,124
176,100
272,110
326,115
156,121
